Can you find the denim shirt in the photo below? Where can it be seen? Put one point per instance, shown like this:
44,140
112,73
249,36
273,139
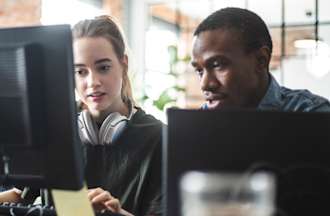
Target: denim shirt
284,99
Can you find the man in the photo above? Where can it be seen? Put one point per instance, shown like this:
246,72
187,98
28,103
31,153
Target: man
231,53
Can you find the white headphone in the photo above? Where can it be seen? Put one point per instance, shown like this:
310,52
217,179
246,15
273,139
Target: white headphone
110,130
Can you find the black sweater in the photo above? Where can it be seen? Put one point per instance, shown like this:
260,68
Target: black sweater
130,169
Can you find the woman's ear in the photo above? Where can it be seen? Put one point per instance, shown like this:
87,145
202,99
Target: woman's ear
125,61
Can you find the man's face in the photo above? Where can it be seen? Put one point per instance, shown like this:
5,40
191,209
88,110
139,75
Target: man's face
229,76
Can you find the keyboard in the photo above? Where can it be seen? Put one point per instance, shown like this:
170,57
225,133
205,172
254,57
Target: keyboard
28,210
19,209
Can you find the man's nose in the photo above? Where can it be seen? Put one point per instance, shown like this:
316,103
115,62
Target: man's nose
209,81
93,79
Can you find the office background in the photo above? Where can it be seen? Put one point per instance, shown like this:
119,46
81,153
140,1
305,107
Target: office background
159,33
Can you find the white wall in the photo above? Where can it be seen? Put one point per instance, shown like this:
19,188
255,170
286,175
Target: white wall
297,76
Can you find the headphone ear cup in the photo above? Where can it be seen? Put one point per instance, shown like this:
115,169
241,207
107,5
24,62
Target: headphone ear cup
112,128
87,131
81,128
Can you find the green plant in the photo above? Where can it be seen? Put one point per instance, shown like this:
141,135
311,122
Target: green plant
170,94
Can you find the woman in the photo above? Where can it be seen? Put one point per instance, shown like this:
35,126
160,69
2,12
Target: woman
125,162
122,144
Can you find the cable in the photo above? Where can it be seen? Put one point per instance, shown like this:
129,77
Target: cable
38,207
11,211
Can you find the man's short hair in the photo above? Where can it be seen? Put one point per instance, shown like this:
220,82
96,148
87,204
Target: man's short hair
253,29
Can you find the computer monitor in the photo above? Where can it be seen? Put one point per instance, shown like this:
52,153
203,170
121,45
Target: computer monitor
295,146
39,142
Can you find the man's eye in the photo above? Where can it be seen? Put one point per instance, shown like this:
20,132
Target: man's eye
216,64
199,72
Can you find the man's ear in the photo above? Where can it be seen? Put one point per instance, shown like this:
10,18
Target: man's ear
263,56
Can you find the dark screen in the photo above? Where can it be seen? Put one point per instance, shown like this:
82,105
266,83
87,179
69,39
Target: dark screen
295,146
39,143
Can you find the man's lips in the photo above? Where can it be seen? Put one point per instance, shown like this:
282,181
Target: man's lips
215,97
212,104
215,101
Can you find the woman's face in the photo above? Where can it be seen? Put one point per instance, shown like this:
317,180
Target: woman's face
98,75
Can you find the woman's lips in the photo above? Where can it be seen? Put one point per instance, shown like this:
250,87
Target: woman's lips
96,97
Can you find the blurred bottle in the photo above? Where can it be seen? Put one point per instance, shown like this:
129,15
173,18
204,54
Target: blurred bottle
224,194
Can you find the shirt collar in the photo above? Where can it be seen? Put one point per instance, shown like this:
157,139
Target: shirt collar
272,99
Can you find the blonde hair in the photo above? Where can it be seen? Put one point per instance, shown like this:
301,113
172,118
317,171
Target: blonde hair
106,27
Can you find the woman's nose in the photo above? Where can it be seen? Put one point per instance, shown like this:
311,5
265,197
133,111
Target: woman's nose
93,79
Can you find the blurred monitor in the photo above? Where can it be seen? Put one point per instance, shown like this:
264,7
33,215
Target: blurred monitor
294,146
39,142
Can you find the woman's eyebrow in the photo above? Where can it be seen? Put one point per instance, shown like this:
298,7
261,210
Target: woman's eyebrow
102,60
79,65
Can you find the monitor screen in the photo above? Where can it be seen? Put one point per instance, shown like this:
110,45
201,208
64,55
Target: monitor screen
39,142
295,146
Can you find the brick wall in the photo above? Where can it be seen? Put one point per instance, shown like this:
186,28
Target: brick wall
19,12
28,12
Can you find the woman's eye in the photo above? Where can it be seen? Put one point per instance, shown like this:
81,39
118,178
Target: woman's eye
80,71
104,68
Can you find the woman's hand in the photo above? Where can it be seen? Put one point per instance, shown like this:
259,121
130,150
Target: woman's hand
102,200
12,195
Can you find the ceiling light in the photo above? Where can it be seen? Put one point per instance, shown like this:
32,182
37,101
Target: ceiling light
307,43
